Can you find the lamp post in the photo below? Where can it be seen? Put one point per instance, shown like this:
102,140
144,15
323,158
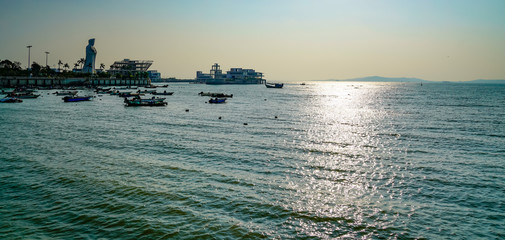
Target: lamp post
47,53
28,57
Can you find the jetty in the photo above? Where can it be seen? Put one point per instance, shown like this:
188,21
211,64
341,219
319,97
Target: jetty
18,81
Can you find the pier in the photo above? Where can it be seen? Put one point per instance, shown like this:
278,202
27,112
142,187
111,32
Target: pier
48,81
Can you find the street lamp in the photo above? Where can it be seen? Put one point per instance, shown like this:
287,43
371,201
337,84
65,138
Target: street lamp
47,53
28,57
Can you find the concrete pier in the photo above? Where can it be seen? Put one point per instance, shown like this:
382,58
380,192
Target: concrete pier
47,81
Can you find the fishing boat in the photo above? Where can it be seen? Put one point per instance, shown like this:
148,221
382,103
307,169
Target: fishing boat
119,93
274,85
218,95
24,95
67,93
163,93
137,101
76,98
147,91
129,94
10,100
217,100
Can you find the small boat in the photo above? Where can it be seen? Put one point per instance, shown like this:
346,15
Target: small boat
217,100
125,88
129,94
163,93
137,101
67,93
150,86
218,95
76,98
274,85
24,95
103,90
117,92
10,100
147,91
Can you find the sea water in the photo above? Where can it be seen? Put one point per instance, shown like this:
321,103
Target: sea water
321,160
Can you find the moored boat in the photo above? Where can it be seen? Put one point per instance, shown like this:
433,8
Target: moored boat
217,100
130,94
274,85
137,101
218,95
146,91
10,100
76,98
24,95
163,93
66,93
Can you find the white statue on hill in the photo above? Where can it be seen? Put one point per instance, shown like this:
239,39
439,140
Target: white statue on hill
89,64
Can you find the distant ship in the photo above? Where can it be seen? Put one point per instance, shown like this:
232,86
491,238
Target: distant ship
234,76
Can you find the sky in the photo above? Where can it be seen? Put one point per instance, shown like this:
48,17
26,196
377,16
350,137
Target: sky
287,40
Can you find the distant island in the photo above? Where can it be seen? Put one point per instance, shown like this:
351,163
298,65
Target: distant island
496,81
412,80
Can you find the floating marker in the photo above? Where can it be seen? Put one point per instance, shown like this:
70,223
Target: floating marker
219,117
187,110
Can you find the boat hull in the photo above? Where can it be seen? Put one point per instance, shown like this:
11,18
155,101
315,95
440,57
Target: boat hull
274,85
219,100
76,99
136,102
10,100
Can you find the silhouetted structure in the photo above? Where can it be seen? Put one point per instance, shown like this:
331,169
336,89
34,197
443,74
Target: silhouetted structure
234,76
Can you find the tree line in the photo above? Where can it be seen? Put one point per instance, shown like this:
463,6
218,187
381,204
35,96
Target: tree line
13,68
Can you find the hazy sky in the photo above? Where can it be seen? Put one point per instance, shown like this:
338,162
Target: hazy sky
441,40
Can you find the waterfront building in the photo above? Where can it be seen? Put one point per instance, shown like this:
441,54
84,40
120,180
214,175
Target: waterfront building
234,76
127,67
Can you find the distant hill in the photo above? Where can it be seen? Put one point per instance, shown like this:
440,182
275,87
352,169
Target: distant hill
415,80
381,79
487,81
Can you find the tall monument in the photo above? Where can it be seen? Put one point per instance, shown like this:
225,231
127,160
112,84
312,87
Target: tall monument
89,64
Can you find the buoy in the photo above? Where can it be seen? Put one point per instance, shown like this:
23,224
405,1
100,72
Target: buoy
187,110
219,117
275,116
245,124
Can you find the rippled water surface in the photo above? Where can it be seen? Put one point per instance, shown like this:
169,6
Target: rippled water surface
322,160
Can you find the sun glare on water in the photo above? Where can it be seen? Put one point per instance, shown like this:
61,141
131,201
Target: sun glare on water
342,178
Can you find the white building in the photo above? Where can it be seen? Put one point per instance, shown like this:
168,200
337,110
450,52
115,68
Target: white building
234,76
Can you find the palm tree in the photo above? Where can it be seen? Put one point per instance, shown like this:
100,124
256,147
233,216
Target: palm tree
102,66
36,68
76,65
59,64
66,66
81,61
